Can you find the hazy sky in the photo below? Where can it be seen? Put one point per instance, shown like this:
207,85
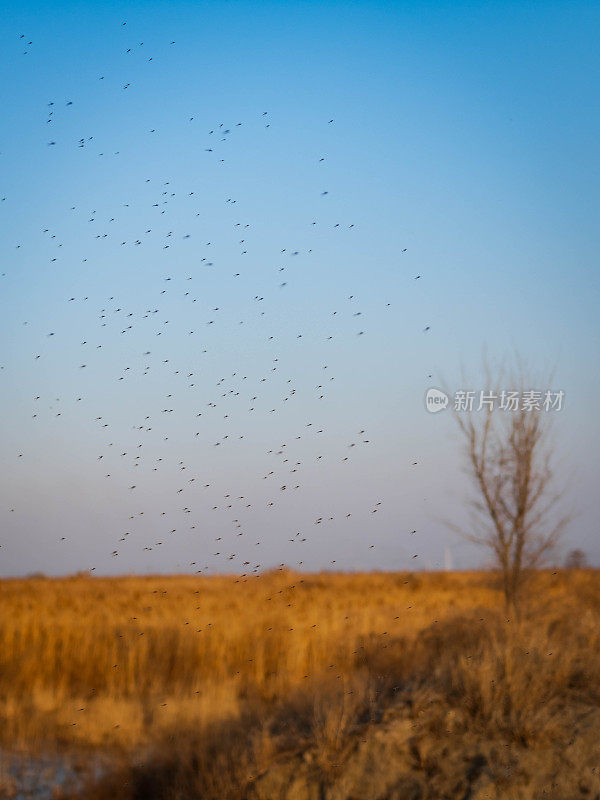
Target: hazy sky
239,198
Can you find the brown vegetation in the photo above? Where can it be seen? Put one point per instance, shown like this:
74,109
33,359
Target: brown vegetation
366,686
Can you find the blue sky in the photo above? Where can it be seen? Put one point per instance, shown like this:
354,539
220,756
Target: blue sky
463,148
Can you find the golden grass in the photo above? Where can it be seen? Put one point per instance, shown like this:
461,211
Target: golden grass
118,646
283,663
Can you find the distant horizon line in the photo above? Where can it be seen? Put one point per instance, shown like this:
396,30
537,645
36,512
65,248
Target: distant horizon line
86,573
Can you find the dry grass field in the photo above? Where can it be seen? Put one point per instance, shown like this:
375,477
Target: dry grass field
378,686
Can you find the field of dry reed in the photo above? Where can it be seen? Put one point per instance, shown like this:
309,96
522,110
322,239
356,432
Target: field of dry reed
288,686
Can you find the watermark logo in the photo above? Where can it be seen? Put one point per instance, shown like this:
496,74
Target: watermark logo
467,400
436,400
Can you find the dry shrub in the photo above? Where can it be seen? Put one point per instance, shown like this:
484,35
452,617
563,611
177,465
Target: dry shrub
515,679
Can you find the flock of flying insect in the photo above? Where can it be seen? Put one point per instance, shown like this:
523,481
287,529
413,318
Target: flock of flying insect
228,393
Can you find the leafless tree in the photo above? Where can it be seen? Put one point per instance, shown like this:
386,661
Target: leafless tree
511,458
576,559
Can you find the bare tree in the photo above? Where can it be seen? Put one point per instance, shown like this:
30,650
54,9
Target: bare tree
510,457
576,559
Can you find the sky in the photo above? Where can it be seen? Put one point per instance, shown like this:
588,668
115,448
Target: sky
239,243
